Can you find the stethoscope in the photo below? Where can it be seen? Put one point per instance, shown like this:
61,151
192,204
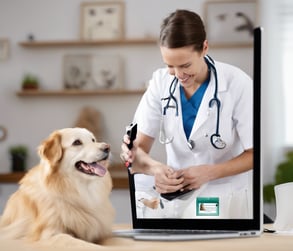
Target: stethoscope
215,139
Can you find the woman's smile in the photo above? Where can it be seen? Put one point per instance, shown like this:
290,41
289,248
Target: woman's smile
185,79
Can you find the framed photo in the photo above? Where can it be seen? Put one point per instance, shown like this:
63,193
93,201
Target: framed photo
90,72
107,72
4,49
102,20
230,23
77,71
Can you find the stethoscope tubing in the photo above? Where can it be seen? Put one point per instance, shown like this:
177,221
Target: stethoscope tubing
215,138
171,96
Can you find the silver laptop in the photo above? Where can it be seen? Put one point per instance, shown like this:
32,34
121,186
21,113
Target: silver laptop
173,222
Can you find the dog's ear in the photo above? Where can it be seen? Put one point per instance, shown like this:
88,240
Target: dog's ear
51,149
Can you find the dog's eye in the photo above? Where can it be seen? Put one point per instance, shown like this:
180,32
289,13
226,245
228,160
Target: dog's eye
93,140
77,143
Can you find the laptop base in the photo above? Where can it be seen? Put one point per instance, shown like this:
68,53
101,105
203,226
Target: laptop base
180,235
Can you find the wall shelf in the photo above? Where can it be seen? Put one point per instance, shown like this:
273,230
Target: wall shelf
119,92
121,42
72,43
118,173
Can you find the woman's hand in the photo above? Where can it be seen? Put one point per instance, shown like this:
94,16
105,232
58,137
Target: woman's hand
166,179
127,155
195,176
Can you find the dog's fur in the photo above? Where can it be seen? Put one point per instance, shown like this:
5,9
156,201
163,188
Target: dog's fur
57,197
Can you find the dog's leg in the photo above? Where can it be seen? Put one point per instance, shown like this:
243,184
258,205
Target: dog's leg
16,230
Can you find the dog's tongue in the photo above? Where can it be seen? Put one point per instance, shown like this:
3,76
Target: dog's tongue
94,168
98,169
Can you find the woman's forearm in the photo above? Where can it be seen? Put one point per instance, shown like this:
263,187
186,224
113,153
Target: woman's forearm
239,164
144,163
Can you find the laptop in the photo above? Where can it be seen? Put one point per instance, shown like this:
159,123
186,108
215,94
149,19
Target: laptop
163,227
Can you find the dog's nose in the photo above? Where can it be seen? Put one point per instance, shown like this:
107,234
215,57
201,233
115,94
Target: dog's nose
106,148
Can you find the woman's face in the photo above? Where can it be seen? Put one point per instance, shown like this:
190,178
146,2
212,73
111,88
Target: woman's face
186,64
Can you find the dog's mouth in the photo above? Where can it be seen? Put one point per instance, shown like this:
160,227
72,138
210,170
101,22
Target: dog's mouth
91,168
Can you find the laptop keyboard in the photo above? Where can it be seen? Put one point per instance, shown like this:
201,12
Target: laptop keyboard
180,231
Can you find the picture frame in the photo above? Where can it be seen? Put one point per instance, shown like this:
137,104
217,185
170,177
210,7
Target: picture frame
76,71
103,20
230,22
4,49
92,72
107,72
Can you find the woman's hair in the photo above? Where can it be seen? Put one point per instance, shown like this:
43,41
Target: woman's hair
183,28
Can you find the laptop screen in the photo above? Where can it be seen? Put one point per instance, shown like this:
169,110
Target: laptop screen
227,208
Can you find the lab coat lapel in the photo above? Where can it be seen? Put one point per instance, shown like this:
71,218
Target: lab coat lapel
180,123
173,123
203,112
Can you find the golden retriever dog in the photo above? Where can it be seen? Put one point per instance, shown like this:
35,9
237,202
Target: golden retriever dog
67,193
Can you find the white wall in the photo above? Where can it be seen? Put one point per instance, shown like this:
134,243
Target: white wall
30,120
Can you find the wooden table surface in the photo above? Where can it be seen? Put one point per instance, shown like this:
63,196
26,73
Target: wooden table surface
265,242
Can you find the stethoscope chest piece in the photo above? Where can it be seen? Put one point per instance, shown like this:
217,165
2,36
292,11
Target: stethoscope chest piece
217,141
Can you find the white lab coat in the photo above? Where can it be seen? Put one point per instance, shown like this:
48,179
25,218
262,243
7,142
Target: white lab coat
235,91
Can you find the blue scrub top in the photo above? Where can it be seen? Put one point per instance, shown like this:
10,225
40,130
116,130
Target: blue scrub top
190,106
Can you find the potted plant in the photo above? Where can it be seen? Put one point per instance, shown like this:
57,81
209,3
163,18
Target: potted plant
18,155
284,174
30,82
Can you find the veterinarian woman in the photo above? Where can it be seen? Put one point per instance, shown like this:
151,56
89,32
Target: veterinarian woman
201,110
